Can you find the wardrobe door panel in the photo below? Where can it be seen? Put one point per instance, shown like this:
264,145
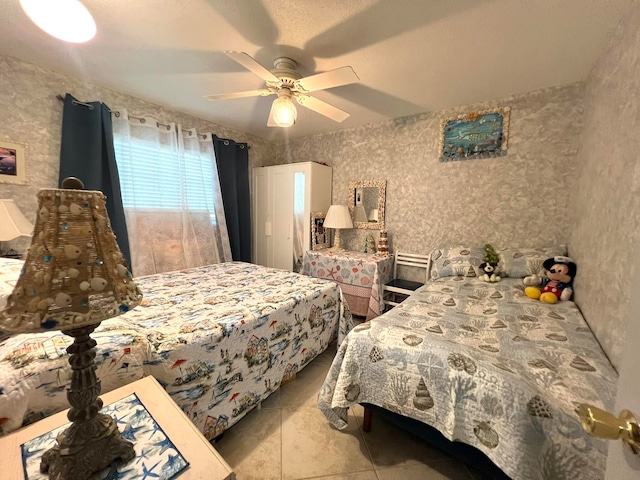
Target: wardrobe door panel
282,236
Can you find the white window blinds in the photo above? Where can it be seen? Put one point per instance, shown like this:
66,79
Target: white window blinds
152,177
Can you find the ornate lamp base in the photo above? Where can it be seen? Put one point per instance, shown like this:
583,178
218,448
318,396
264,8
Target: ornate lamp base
92,442
86,448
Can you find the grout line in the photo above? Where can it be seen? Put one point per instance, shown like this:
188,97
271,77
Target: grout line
366,445
338,474
281,444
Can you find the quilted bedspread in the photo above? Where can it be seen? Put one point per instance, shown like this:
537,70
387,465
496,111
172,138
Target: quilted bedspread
484,365
219,338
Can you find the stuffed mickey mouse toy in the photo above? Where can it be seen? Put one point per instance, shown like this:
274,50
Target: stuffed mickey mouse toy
556,285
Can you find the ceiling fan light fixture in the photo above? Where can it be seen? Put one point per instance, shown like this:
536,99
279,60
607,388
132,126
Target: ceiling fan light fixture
284,111
67,20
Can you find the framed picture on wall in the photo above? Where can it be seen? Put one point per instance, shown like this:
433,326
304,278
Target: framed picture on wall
13,168
319,235
481,134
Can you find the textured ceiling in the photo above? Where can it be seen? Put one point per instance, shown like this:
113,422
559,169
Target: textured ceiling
411,56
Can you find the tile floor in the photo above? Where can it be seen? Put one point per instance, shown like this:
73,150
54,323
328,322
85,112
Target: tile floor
288,439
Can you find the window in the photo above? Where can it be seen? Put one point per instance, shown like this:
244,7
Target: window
153,178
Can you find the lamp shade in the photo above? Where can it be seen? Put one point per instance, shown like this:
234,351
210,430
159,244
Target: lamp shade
373,215
74,274
13,223
359,214
338,216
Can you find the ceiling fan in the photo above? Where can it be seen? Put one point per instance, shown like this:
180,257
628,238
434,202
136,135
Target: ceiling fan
283,80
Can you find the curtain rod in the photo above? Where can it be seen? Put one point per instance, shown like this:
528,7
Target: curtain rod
142,119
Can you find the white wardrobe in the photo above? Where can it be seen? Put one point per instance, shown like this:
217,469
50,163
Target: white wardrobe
283,197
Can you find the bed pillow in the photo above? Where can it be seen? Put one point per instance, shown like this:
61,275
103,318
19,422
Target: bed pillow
520,262
9,272
456,261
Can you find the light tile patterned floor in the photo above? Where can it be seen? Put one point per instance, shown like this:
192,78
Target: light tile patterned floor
288,439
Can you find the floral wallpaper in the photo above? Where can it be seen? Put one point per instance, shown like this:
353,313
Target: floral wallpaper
32,115
605,202
519,200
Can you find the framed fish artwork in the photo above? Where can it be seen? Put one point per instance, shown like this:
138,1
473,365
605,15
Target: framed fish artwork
481,134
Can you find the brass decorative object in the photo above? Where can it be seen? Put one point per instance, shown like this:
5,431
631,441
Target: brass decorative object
74,277
602,424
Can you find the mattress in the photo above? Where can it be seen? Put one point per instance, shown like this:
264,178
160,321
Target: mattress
484,365
219,338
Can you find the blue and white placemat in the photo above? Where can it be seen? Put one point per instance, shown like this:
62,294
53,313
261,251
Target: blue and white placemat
156,456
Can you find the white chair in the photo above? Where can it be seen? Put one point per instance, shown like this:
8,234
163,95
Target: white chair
401,286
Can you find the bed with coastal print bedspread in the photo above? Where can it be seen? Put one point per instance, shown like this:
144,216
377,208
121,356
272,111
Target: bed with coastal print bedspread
484,365
219,338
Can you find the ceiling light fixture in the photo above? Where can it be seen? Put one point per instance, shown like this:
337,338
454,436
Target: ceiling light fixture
283,110
67,20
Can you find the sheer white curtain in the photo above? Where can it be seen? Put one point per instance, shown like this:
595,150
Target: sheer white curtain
171,195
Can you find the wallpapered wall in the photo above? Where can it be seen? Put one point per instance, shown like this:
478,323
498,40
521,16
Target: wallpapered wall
32,115
517,200
543,192
605,203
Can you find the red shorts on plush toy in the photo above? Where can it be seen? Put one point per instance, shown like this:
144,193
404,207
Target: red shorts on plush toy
552,287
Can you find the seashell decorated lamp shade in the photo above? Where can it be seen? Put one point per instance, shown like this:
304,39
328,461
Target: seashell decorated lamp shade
74,274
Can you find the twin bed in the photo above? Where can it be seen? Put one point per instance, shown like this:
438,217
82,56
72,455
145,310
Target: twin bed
484,365
480,362
219,338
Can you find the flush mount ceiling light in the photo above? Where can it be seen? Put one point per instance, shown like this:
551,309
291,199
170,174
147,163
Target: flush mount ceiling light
67,20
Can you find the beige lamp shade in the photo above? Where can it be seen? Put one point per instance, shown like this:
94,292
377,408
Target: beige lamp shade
373,215
359,214
338,216
74,274
13,223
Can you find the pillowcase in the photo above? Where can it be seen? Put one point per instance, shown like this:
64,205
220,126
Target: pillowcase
10,269
521,262
9,272
456,261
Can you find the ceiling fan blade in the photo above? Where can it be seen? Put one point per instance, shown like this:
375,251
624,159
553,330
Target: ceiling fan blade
250,93
333,78
271,122
323,108
253,66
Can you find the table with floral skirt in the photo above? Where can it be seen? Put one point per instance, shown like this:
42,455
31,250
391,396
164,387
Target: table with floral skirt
360,276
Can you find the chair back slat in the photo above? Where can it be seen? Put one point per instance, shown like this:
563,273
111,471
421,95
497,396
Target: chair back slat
414,260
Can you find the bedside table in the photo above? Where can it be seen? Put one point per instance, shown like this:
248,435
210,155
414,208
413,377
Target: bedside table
360,276
204,460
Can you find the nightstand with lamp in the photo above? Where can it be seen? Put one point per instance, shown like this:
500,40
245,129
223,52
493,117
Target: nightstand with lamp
13,224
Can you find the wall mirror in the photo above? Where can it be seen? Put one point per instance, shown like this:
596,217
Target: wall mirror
366,203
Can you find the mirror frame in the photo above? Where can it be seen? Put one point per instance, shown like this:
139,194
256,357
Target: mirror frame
381,185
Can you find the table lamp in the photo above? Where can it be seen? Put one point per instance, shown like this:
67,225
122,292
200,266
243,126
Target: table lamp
13,223
338,217
74,277
359,214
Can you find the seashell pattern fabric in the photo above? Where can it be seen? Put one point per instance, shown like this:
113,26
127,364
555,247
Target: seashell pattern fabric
484,365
